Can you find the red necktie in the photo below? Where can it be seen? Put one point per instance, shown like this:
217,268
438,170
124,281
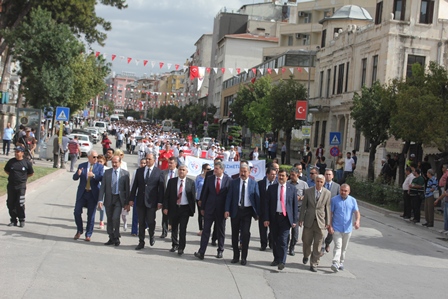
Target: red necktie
179,195
282,200
218,186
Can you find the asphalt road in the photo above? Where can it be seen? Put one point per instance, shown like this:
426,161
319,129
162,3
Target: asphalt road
387,258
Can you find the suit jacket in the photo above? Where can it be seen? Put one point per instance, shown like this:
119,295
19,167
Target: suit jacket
97,170
138,188
264,197
334,189
234,194
210,201
154,188
166,176
170,199
321,210
105,194
290,203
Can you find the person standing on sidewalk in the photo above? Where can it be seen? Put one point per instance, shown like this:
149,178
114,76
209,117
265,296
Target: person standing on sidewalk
407,207
416,193
73,149
18,170
431,186
8,132
283,153
343,207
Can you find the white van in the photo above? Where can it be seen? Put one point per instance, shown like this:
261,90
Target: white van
101,126
114,117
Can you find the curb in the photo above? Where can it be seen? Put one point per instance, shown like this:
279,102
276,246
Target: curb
33,185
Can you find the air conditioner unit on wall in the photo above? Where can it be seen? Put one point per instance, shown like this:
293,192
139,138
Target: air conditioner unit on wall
301,14
299,36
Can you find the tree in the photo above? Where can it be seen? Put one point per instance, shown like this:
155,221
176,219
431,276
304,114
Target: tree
257,111
46,51
283,100
371,115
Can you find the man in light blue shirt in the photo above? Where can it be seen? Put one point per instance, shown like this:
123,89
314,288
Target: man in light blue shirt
8,132
343,207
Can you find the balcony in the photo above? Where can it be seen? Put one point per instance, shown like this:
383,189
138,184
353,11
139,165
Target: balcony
299,28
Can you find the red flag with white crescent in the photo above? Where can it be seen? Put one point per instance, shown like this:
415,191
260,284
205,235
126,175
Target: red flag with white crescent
194,72
97,54
301,110
176,66
238,70
254,70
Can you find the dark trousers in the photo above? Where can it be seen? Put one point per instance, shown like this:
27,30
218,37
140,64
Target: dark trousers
200,217
86,200
407,207
113,212
280,227
241,223
165,222
264,235
209,219
6,146
134,228
283,157
179,224
16,204
294,234
416,205
146,216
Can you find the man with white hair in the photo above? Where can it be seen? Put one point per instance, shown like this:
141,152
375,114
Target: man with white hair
211,153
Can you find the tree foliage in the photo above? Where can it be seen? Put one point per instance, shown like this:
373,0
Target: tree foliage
371,115
257,111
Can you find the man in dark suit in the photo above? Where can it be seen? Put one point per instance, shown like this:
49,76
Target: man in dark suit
89,175
334,188
150,180
315,216
215,229
242,203
179,204
263,185
213,198
114,191
280,215
169,173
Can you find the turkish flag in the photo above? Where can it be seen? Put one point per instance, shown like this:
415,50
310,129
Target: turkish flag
113,57
129,59
301,110
194,72
145,62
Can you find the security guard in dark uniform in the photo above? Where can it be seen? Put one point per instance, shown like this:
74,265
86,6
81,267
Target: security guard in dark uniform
18,170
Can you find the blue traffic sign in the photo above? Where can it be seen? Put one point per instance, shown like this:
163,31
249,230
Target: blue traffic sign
335,138
62,113
334,151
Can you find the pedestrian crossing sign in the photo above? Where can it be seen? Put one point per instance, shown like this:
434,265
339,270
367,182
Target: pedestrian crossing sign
62,113
335,138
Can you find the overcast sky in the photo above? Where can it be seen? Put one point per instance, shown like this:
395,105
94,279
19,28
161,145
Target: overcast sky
159,31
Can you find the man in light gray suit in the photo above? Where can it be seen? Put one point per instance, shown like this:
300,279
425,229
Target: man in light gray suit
114,191
315,215
333,187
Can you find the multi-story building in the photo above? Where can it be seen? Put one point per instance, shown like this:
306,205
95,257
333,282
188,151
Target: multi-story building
358,49
116,89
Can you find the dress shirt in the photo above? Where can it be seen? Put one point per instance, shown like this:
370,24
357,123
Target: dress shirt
183,199
247,202
118,179
269,183
220,182
279,204
407,182
343,210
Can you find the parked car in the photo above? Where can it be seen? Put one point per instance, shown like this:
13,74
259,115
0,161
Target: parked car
101,126
84,143
84,132
94,133
204,142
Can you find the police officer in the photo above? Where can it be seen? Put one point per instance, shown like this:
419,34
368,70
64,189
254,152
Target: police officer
18,170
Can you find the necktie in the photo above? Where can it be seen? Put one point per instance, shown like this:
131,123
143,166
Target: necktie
179,195
147,174
218,185
282,200
270,183
243,193
327,185
171,174
88,179
115,182
317,196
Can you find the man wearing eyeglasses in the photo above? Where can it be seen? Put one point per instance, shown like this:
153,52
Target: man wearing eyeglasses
90,175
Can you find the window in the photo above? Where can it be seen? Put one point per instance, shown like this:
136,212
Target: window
366,145
426,11
324,37
378,12
316,133
321,83
340,78
334,80
399,9
357,140
328,82
324,132
346,77
412,59
363,71
290,40
374,68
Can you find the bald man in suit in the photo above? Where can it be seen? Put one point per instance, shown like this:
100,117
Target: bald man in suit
315,215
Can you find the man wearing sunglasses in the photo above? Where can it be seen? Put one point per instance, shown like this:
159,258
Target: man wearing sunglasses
89,175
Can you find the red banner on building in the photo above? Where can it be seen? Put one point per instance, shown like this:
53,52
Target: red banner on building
301,110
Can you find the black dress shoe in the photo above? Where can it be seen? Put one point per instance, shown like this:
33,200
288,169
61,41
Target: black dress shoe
234,261
219,255
281,266
214,243
313,269
243,262
180,252
305,260
22,224
110,242
174,248
199,255
117,243
12,224
291,252
274,263
140,246
263,248
152,241
425,224
163,236
430,225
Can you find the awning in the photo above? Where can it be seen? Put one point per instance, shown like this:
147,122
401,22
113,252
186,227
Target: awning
224,120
